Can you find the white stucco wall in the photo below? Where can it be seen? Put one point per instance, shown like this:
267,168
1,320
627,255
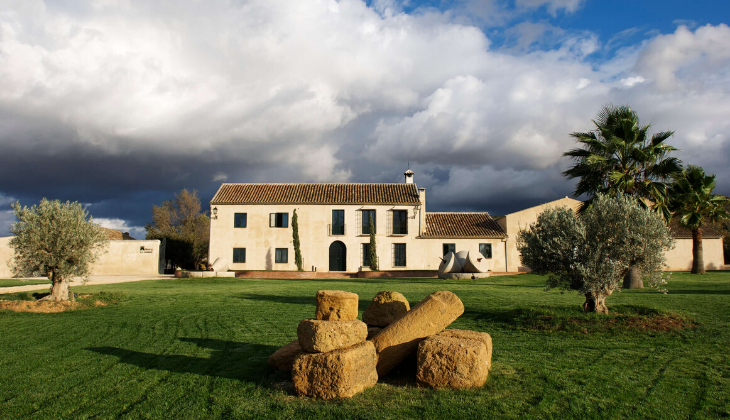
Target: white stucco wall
260,240
120,258
680,258
6,254
127,258
513,222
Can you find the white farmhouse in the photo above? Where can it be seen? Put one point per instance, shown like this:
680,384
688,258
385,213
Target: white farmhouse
251,226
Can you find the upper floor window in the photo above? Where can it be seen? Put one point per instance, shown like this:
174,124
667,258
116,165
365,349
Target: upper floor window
239,220
449,248
486,250
280,220
338,222
400,222
282,255
366,216
239,255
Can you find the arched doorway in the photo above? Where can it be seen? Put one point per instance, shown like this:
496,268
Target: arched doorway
338,256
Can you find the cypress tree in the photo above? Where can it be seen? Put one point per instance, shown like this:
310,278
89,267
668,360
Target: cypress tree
297,244
373,249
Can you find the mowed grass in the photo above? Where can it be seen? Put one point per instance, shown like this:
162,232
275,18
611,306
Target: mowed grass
17,282
197,348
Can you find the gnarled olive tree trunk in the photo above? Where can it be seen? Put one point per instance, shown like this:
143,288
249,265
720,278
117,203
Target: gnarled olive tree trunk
60,289
633,279
698,259
596,302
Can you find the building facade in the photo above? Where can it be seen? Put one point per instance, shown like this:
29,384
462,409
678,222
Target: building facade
251,227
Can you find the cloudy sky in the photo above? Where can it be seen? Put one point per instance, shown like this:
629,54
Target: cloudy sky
119,104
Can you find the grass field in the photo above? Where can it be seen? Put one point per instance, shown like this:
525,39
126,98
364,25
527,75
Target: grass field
197,348
29,282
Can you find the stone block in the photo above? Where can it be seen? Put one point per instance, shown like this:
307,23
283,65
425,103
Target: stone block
318,336
336,305
283,359
451,362
430,316
385,308
373,331
338,374
473,335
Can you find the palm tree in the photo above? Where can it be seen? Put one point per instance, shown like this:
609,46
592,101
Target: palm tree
620,157
692,201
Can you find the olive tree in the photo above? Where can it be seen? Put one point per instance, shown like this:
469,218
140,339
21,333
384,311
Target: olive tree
56,239
593,252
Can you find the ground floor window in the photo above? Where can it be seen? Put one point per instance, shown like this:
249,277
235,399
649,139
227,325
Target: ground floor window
449,248
366,255
486,250
282,255
399,255
239,255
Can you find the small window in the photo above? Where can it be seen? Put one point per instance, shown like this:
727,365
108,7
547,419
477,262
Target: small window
338,222
486,250
239,255
366,216
239,220
449,248
399,255
400,222
366,255
279,220
282,255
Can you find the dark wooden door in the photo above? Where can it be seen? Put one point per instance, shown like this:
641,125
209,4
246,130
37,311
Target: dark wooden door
338,256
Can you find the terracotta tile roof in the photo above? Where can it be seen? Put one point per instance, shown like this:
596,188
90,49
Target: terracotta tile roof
316,194
462,225
681,232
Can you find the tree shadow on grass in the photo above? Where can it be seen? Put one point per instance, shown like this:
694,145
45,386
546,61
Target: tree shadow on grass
295,300
229,359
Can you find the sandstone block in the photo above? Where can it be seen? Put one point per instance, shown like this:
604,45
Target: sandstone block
428,317
283,359
451,362
317,336
336,305
473,335
338,374
385,308
373,331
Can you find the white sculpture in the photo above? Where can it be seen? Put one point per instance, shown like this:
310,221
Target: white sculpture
463,265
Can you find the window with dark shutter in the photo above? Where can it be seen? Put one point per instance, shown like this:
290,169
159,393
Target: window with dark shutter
239,220
399,255
366,216
400,222
281,255
486,250
449,248
279,220
239,255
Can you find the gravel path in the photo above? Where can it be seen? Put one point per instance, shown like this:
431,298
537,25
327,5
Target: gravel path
93,280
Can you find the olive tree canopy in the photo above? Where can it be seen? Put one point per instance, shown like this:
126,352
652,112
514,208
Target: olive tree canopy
593,252
56,239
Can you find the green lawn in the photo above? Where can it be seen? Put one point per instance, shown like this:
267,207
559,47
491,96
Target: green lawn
16,282
197,348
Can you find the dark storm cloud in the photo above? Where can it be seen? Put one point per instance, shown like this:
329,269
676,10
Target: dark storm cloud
120,105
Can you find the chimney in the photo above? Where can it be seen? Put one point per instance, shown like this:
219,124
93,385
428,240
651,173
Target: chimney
409,176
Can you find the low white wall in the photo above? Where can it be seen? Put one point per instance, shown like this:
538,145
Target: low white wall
680,258
128,258
6,254
120,258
